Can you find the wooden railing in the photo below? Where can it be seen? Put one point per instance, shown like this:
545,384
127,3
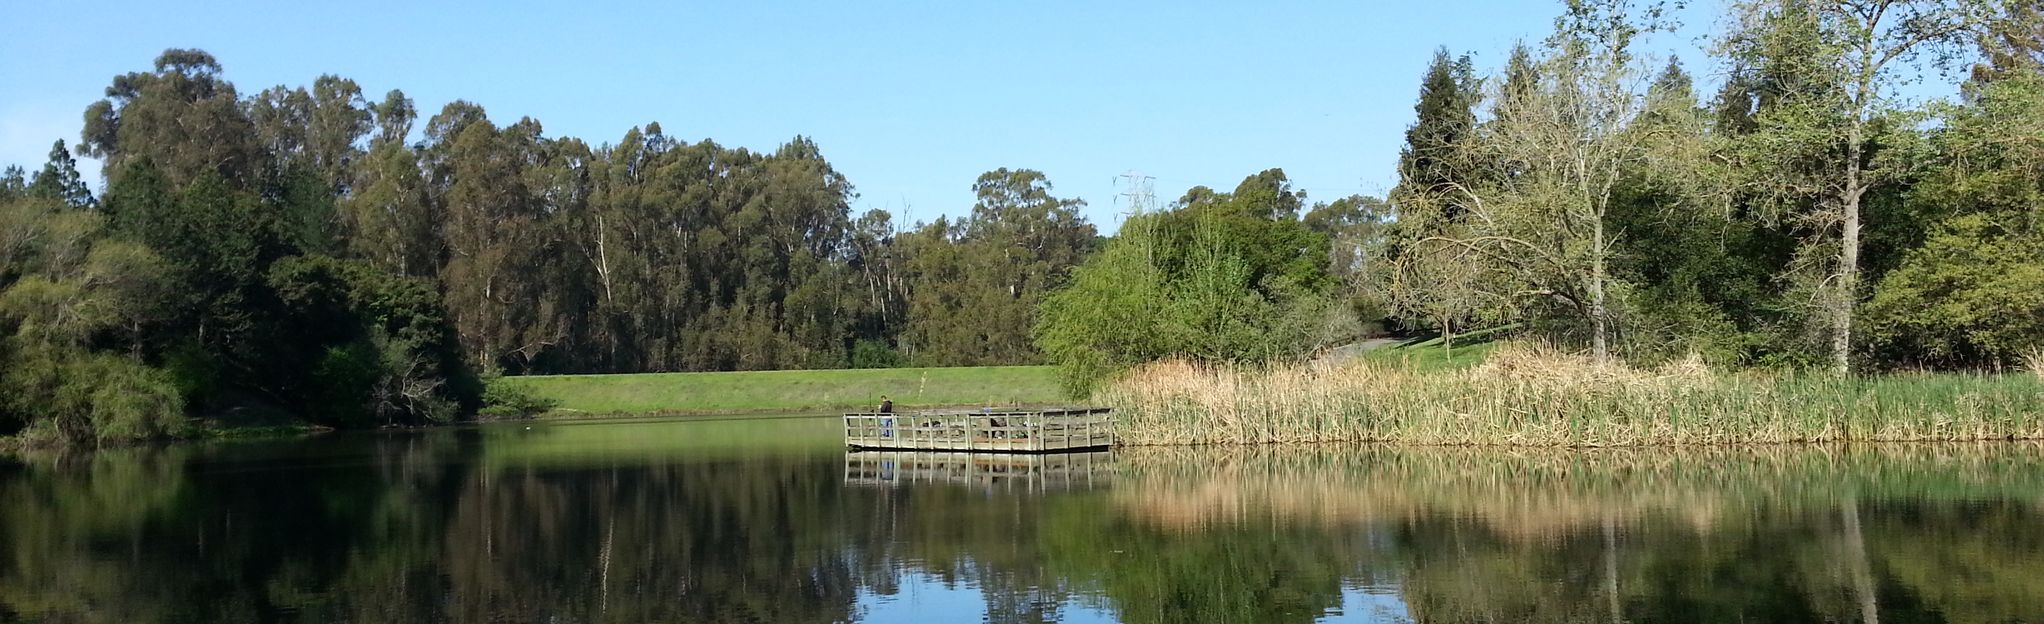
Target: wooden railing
987,430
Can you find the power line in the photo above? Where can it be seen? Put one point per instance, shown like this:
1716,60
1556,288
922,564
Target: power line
1139,191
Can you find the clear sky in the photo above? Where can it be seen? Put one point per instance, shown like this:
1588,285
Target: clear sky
911,100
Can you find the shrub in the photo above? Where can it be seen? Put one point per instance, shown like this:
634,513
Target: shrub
1972,296
504,398
869,353
70,397
1202,295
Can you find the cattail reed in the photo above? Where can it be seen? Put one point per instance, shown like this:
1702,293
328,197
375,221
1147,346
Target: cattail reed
1528,395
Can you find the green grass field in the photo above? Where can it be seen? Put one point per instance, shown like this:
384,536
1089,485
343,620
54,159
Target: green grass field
795,390
1430,354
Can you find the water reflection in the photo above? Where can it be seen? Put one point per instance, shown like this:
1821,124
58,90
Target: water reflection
691,521
1008,471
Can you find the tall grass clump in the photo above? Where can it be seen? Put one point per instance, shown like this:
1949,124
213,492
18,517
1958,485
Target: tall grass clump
1530,395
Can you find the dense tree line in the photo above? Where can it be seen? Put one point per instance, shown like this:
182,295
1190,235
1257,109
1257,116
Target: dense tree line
299,249
1806,215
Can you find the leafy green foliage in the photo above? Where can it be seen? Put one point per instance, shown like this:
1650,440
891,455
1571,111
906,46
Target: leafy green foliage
1220,278
1968,295
975,283
377,345
183,117
55,396
871,353
1741,231
72,305
1972,295
59,180
503,399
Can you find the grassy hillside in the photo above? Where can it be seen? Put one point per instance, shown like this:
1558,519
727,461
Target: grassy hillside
796,391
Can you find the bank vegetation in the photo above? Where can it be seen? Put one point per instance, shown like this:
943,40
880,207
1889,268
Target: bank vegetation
1541,396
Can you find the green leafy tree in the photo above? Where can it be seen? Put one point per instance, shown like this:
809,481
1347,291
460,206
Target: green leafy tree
1434,158
1220,277
389,220
73,304
1965,298
2012,41
1972,295
13,183
1434,165
376,345
491,231
59,180
975,284
1106,319
1566,145
182,117
1835,68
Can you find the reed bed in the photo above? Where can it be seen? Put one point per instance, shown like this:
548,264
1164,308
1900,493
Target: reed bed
1529,395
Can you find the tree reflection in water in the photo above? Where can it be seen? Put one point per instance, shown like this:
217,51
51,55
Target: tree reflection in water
731,521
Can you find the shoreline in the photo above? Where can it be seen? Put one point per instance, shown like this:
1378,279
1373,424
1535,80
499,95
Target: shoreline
12,447
563,414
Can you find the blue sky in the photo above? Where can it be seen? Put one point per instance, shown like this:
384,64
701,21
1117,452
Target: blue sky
911,100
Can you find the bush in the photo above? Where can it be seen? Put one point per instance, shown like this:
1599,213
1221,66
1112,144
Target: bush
195,372
871,353
384,354
1972,297
504,398
70,397
1147,297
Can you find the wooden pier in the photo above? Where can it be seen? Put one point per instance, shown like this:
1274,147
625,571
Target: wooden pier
1032,472
983,431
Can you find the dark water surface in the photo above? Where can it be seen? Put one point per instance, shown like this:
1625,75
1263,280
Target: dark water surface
770,521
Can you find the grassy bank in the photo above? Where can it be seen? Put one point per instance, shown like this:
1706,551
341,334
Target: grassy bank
794,391
1431,356
1526,396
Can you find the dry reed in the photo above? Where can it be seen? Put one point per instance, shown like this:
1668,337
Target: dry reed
1536,493
1529,395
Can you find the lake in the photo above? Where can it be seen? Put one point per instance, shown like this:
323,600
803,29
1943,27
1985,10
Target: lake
770,520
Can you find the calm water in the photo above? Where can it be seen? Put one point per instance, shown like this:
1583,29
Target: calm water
769,521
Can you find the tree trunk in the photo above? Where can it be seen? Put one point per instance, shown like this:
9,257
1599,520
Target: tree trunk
1448,336
1600,344
1848,258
